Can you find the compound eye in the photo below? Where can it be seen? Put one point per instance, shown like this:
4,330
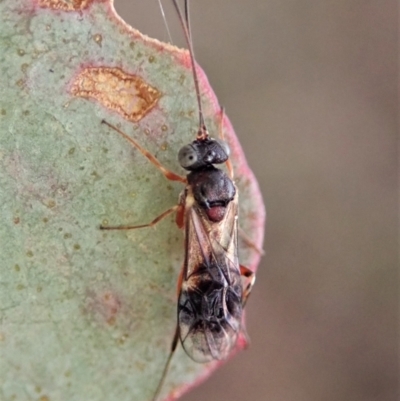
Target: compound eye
187,157
225,147
209,157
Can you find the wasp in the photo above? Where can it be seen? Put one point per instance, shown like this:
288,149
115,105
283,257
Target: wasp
212,287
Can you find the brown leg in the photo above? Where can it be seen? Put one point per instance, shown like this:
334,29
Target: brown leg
167,173
154,222
248,279
180,216
166,367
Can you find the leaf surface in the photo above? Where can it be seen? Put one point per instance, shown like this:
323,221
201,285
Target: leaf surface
87,314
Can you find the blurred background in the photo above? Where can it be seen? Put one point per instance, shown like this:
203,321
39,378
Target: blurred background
311,89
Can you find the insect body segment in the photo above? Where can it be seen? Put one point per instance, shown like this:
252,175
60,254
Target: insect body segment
209,314
201,153
210,300
212,190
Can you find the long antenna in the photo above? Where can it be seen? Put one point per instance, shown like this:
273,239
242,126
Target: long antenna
165,20
202,134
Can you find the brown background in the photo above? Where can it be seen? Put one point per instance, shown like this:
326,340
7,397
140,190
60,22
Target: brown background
310,87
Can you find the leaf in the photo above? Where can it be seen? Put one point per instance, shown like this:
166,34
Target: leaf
87,314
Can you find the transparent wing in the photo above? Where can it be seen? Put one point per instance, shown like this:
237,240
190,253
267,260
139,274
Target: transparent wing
210,300
208,243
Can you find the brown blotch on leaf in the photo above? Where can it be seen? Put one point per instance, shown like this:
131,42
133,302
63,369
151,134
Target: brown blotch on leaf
127,94
104,307
98,38
65,5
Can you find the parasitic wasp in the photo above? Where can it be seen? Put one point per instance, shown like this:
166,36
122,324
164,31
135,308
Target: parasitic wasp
213,287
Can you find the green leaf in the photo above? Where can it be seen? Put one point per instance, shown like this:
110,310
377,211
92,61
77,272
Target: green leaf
87,314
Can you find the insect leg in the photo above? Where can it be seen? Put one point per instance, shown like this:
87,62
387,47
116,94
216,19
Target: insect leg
222,136
248,280
249,242
152,223
166,367
167,173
